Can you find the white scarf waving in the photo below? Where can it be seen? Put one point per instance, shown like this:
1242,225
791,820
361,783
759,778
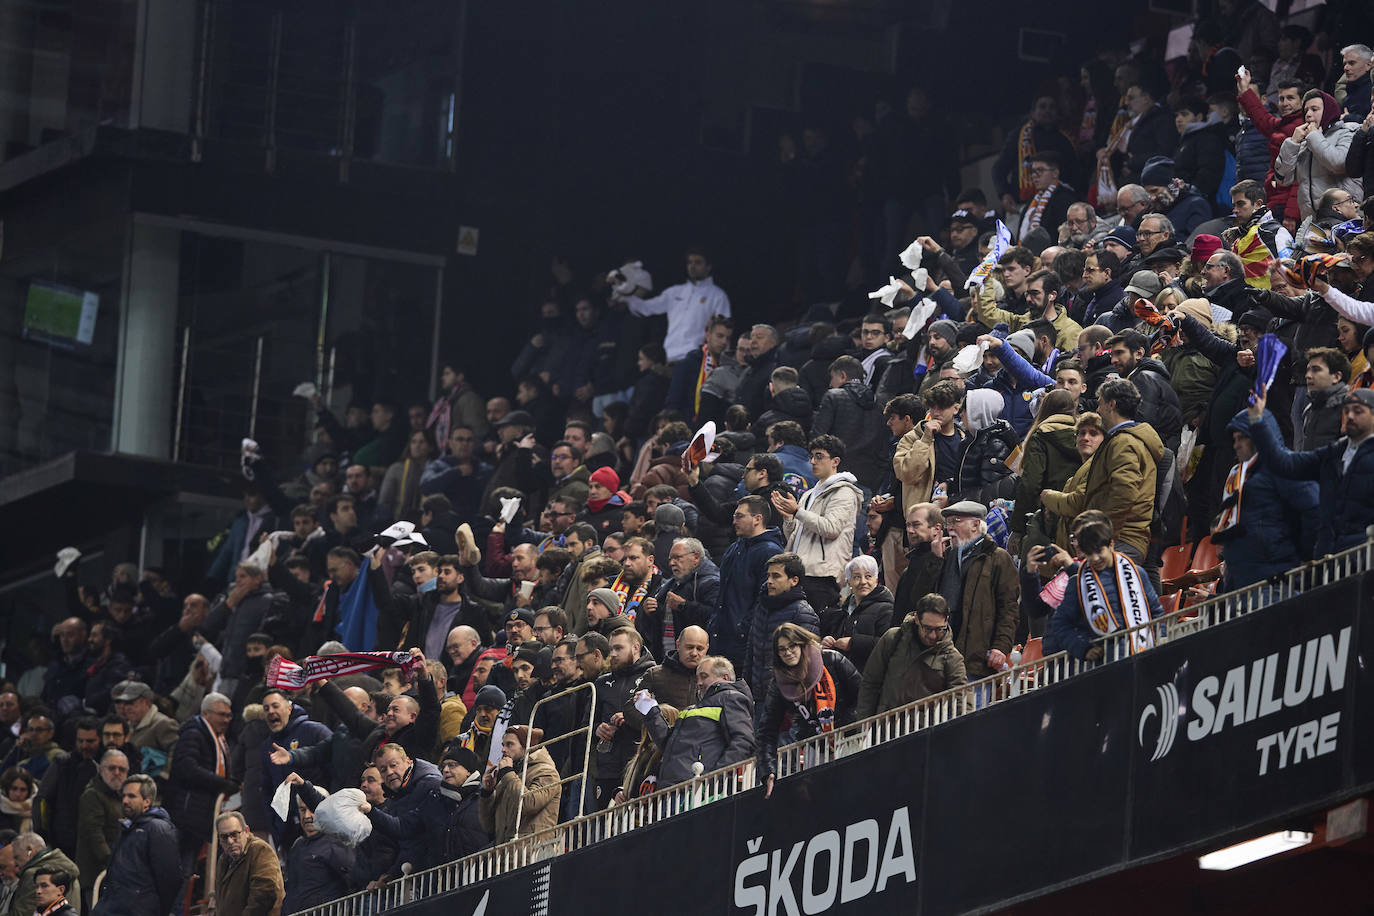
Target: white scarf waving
1134,610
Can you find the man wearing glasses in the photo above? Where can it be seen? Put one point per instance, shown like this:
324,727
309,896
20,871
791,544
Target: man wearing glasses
912,661
1155,232
248,877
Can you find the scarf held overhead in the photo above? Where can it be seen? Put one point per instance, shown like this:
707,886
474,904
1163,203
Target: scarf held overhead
287,675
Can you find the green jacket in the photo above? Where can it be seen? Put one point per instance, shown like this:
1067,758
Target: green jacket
25,896
1049,460
97,827
1193,376
902,669
1067,330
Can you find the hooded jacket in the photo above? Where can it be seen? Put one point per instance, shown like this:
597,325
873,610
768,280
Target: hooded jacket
902,669
1159,405
24,899
298,732
1317,164
822,531
1068,629
983,473
863,621
815,372
137,881
913,464
499,809
742,570
717,732
1121,482
851,413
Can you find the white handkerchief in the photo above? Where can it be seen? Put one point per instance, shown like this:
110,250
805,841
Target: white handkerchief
281,800
911,258
305,390
509,506
887,294
969,359
919,278
920,314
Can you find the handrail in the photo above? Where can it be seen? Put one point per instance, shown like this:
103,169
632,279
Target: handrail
850,739
586,749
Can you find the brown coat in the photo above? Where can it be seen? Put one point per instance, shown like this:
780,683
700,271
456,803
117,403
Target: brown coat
250,886
497,810
1121,482
913,463
992,596
667,469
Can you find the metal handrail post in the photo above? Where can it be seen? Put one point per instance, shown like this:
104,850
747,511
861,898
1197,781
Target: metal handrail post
586,749
257,388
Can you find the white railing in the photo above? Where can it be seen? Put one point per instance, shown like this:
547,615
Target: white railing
845,741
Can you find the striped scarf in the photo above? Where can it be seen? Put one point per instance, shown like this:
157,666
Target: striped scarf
1134,611
629,603
1231,496
811,702
1116,142
1035,211
1025,147
708,364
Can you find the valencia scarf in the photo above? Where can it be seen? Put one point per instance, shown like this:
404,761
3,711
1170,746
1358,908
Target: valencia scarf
1130,589
1229,519
812,699
708,363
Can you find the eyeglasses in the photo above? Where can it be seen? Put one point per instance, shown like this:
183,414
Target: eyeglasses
1040,170
581,655
561,514
1093,270
225,837
934,631
1149,232
1079,222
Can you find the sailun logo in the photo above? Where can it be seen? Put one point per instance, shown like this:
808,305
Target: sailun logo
1262,687
1168,721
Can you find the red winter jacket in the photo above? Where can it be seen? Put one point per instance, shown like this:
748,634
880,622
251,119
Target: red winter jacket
1279,129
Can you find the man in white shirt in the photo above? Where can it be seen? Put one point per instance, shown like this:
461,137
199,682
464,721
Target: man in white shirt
689,306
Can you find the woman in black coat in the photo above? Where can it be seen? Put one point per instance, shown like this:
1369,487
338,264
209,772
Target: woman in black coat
855,627
816,689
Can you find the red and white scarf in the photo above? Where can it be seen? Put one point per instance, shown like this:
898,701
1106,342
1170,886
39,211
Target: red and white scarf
1230,502
287,675
1130,589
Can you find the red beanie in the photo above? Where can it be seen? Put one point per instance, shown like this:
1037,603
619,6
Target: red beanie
1204,246
607,478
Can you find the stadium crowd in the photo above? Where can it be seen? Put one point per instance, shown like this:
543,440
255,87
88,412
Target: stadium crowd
891,504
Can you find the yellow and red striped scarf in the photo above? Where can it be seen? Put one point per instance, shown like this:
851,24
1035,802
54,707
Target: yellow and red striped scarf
1256,257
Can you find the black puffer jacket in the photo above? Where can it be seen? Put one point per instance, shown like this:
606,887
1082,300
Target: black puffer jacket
847,680
851,413
789,404
141,877
1159,405
863,622
815,372
983,472
193,784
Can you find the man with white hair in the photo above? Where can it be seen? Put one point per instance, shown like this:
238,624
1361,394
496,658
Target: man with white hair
1356,63
717,731
980,584
200,772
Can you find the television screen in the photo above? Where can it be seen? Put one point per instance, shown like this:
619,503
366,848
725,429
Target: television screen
60,314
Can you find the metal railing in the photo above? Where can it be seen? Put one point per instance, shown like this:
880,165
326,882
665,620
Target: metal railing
847,740
567,736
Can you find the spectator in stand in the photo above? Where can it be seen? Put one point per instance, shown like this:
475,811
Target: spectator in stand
424,620
1267,525
816,689
1013,171
787,401
925,529
689,306
855,626
1048,206
458,405
717,731
139,881
487,703
1122,475
1178,200
257,517
1082,228
1327,375
1255,225
1356,62
787,443
58,793
850,413
982,471
1131,203
1102,287
248,877
33,854
510,807
580,541
1312,160
51,886
64,683
288,727
628,663
605,500
784,601
1152,132
912,661
691,371
16,804
820,526
1159,404
319,866
413,816
1107,592
1200,159
151,732
1359,158
979,582
1344,469
674,682
200,772
459,475
99,815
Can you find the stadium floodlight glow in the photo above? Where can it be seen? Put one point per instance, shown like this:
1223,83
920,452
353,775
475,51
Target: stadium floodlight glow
1253,850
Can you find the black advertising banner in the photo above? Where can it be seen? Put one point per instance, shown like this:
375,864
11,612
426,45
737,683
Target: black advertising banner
1206,736
1244,721
1027,793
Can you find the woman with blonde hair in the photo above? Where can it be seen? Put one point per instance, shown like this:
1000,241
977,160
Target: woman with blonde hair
641,773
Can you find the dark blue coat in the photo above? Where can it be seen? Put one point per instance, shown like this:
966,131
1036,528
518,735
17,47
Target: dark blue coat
193,783
1346,497
465,834
1068,629
142,878
742,570
300,731
759,668
415,817
318,869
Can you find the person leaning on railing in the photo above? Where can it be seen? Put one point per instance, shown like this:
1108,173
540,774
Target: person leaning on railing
912,661
1106,592
717,731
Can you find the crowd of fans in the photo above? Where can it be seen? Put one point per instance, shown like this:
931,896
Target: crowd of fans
892,504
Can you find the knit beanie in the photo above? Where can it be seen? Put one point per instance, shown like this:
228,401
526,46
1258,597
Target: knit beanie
668,515
1024,342
946,329
1204,246
607,477
608,598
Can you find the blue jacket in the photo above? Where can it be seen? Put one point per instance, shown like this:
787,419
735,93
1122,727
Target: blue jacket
1188,212
416,818
1068,629
1346,497
1278,523
796,465
742,569
1016,408
300,731
141,879
1026,375
759,665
